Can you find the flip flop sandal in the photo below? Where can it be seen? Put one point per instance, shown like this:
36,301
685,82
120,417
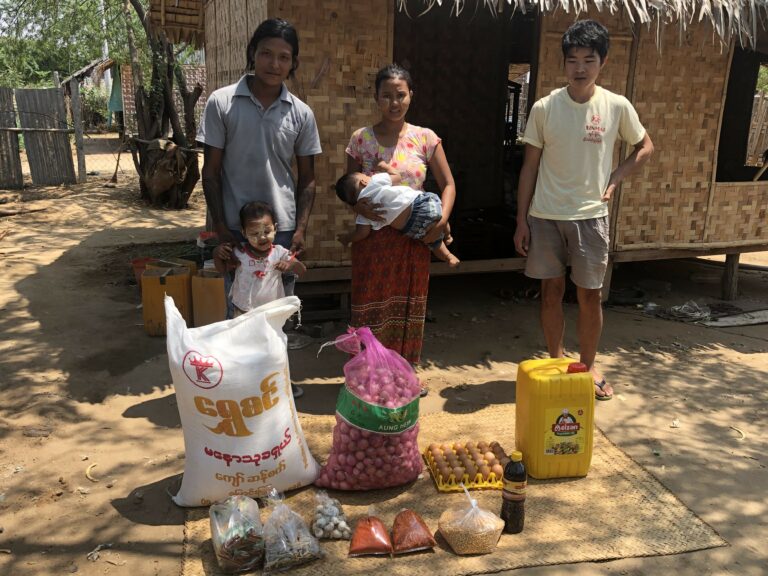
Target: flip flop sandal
605,396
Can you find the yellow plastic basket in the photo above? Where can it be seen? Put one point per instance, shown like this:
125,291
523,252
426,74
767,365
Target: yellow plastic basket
452,484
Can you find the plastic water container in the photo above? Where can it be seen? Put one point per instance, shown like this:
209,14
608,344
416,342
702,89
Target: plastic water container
555,411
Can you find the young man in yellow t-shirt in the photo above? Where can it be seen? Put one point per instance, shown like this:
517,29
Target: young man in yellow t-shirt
565,185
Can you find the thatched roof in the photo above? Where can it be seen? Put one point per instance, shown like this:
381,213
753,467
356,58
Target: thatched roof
743,20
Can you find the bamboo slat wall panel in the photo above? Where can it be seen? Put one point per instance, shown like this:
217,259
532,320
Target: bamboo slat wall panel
49,154
10,160
343,44
739,213
229,26
678,95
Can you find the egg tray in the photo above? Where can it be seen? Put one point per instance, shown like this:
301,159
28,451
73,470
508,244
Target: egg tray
451,484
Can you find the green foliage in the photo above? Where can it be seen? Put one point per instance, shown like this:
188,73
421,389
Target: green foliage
94,103
762,79
38,37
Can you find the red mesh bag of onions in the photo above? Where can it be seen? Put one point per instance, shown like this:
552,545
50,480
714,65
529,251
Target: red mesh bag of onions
374,440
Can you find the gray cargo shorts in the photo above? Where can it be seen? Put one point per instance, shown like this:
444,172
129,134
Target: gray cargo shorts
582,244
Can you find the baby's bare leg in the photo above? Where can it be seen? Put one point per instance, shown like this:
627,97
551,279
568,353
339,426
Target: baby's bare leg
447,238
442,253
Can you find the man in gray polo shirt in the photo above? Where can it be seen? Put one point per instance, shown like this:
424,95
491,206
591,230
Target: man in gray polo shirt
252,130
253,149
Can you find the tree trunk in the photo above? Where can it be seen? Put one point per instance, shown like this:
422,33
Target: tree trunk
162,180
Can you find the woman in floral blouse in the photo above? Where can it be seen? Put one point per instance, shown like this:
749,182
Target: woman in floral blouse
390,272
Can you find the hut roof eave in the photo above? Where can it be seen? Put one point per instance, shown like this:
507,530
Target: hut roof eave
98,65
742,20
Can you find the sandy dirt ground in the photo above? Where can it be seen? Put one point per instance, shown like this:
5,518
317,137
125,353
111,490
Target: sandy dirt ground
83,385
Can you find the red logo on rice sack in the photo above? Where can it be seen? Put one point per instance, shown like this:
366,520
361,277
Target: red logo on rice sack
203,371
566,424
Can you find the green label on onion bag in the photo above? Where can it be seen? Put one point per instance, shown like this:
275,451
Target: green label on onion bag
374,418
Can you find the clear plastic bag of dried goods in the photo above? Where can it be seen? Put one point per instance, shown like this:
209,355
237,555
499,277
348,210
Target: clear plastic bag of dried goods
287,540
469,529
375,437
237,534
329,521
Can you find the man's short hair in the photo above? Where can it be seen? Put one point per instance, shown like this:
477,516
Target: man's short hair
587,34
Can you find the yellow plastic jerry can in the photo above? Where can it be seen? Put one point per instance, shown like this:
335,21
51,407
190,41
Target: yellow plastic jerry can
555,411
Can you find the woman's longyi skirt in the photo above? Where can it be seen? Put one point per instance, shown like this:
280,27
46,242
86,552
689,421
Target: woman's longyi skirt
390,280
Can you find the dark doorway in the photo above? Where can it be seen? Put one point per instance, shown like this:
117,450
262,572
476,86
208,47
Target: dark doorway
471,75
737,115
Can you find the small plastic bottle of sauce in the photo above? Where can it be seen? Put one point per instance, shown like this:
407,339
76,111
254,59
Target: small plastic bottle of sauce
513,495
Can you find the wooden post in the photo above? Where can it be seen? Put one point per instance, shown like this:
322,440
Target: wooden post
606,289
74,87
56,82
731,277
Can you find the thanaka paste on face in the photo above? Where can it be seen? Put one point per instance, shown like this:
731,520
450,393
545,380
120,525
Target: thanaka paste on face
259,232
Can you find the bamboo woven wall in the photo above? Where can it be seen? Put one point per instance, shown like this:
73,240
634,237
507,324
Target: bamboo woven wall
667,203
739,214
343,43
229,25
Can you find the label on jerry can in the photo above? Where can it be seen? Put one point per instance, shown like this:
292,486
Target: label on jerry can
565,432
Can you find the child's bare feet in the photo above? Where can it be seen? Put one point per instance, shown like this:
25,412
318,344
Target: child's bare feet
443,254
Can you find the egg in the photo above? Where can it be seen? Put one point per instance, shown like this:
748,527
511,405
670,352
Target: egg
493,444
479,460
460,450
434,447
482,446
458,472
485,471
469,446
498,470
444,471
471,471
446,448
489,456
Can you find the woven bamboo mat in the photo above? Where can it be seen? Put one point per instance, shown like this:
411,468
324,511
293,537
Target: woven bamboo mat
618,511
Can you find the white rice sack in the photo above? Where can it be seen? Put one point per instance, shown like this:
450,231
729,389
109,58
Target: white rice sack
233,389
